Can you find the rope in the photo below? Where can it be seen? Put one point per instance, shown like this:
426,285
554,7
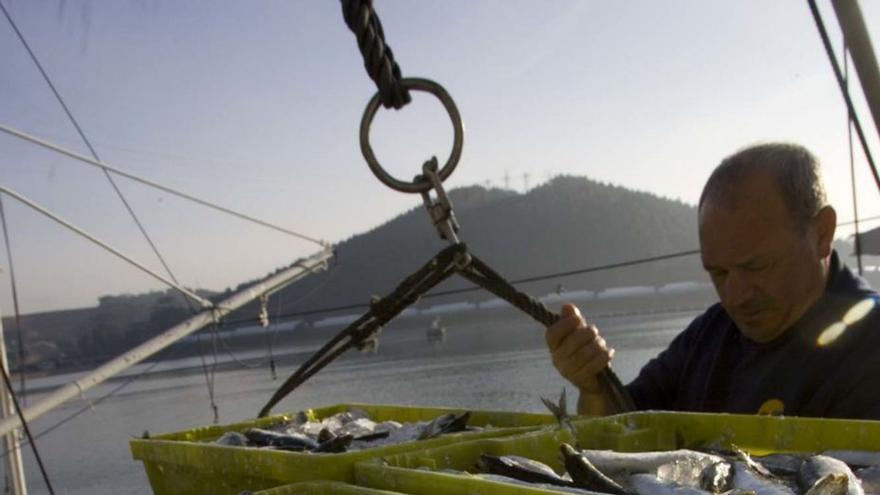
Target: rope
820,25
19,332
25,426
364,329
379,61
76,156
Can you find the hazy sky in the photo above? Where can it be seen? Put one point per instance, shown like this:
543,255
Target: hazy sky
256,106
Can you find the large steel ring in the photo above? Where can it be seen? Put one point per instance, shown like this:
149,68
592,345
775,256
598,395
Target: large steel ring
458,128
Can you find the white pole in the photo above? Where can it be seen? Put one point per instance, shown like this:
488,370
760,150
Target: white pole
14,466
849,15
270,284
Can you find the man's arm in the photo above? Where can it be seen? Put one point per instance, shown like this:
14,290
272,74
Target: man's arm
579,353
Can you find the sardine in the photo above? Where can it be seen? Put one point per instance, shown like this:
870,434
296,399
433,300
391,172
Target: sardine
445,423
286,441
556,488
855,458
717,477
615,464
520,468
335,445
650,484
232,439
745,478
830,484
870,479
787,465
817,466
559,410
585,475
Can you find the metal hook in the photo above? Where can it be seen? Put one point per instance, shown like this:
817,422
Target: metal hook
440,209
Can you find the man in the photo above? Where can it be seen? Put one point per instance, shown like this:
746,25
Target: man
795,332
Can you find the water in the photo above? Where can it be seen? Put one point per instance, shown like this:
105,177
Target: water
481,365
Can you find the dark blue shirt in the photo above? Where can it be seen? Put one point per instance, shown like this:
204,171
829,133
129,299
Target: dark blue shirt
826,365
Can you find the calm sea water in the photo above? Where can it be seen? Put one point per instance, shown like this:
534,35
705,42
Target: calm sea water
481,365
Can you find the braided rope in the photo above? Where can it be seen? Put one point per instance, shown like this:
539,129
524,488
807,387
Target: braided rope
379,61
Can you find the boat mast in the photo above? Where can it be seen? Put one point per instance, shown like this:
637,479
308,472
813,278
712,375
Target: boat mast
849,16
269,285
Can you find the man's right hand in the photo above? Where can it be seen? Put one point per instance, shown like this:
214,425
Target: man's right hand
579,353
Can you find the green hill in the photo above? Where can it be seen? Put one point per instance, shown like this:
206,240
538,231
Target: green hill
565,224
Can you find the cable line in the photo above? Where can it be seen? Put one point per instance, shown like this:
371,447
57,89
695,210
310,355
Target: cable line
22,389
852,164
88,144
76,156
27,430
186,292
820,25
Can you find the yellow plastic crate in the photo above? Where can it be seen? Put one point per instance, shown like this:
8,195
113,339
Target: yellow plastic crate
411,472
187,463
322,488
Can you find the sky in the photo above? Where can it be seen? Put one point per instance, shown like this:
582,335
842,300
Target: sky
256,106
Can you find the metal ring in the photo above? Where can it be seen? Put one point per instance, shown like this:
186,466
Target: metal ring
457,126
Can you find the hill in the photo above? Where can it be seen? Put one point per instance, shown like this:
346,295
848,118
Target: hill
567,223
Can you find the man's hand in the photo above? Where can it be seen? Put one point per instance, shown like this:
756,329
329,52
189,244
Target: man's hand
579,353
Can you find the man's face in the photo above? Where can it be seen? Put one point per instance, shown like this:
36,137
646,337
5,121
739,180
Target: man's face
766,272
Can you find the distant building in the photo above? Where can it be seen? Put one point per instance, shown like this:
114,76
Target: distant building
869,242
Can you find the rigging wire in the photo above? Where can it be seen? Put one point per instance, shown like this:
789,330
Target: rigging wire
147,182
820,25
204,302
852,165
22,389
27,429
88,144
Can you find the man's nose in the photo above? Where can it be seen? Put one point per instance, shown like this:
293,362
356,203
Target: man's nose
738,289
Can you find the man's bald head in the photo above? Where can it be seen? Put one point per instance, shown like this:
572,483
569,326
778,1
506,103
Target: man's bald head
793,170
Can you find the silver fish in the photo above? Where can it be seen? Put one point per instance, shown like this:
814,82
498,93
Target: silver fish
781,464
616,464
556,488
855,458
830,484
445,423
520,468
745,478
717,477
286,441
585,475
870,478
232,438
559,410
650,484
817,466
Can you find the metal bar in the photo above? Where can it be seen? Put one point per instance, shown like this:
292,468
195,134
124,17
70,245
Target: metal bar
170,336
849,15
14,467
147,182
204,302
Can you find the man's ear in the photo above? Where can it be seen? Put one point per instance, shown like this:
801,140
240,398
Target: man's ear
825,224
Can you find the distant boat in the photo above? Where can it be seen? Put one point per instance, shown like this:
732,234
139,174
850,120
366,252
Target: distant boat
436,333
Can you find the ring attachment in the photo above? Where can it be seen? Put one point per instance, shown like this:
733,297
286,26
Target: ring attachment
435,89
